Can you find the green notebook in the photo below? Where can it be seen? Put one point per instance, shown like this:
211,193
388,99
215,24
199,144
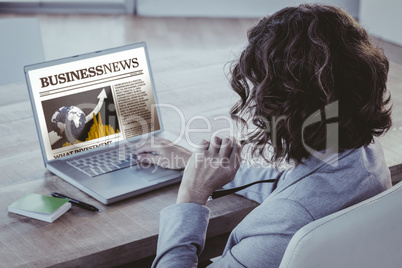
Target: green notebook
41,207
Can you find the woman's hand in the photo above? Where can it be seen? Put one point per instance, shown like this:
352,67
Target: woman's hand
208,169
164,153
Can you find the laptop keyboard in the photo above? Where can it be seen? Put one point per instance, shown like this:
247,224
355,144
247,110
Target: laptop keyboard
98,164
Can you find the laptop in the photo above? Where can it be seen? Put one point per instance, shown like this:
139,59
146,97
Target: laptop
91,111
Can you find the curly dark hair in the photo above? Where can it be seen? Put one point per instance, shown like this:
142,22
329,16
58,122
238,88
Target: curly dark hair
298,61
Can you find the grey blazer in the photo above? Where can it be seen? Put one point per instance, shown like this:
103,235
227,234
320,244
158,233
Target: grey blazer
303,194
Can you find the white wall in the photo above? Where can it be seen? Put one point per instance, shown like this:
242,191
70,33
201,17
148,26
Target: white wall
20,45
67,6
229,8
382,19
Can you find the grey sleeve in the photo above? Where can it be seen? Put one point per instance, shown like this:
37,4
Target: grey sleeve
182,234
260,240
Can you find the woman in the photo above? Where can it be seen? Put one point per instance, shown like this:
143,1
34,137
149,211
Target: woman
314,85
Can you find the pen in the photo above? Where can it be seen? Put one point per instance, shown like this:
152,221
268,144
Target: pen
76,202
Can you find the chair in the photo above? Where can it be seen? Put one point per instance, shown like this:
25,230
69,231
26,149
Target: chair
368,234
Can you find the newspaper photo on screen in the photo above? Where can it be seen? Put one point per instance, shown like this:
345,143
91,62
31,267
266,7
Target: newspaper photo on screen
93,102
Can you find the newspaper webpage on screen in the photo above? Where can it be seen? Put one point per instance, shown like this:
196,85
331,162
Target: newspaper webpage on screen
94,102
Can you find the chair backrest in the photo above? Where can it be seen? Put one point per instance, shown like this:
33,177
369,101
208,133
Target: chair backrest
20,45
368,234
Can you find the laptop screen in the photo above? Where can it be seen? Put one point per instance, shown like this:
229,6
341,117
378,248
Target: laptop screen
92,100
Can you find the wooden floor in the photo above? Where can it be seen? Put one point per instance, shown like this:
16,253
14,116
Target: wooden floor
215,41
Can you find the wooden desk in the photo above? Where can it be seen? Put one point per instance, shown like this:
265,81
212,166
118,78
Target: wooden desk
126,231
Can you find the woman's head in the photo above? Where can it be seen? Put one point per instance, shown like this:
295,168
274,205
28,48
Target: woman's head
300,60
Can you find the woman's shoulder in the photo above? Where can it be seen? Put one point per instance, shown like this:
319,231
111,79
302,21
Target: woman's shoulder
323,188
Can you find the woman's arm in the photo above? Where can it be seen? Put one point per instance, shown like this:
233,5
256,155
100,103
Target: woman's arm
183,226
182,235
260,240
